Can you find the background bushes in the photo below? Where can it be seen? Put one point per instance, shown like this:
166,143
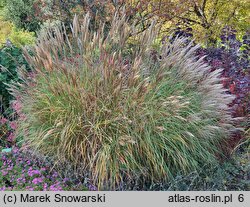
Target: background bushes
22,14
18,37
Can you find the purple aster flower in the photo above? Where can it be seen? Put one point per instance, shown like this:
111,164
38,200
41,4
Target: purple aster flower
37,180
3,188
45,186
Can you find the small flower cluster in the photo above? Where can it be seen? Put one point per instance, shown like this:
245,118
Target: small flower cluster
18,172
7,128
9,125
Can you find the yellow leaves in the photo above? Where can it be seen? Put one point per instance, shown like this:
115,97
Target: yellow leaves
206,18
17,37
5,30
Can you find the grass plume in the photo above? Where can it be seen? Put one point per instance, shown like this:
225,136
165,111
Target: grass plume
115,110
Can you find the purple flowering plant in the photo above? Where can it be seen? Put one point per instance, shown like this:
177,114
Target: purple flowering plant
8,124
20,172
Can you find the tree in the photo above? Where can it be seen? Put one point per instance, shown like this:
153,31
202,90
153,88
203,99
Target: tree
206,17
211,16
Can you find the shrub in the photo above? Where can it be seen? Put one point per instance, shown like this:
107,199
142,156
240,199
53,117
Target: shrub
23,14
21,38
119,113
16,36
4,31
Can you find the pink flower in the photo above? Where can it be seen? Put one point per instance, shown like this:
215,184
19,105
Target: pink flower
13,125
33,172
22,117
2,189
37,180
55,174
55,188
3,120
45,186
32,75
16,150
16,105
11,137
19,180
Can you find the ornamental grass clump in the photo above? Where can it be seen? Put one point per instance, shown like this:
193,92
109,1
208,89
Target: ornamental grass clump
119,112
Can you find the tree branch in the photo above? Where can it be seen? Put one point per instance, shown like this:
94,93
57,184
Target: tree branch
189,20
215,12
204,5
201,14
